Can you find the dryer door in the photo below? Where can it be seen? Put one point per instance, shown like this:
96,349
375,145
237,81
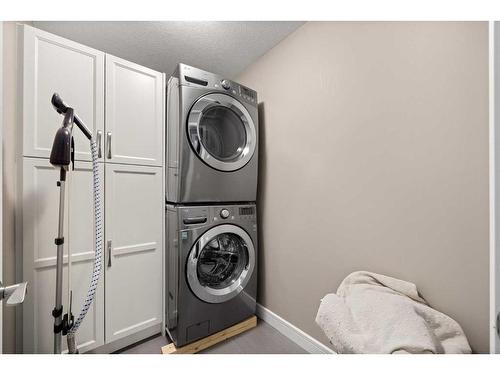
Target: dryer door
220,263
221,132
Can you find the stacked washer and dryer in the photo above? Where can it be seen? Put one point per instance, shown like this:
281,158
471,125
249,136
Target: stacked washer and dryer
211,218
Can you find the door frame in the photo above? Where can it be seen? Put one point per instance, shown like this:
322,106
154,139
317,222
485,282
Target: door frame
1,178
494,184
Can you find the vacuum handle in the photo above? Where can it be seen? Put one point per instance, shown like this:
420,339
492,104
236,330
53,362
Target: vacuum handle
61,153
61,108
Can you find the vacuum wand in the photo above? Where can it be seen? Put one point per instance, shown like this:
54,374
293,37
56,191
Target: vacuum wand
61,156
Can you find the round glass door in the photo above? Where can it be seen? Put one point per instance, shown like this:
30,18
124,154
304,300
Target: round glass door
221,132
220,263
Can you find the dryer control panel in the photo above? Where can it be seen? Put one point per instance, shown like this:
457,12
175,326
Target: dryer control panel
191,76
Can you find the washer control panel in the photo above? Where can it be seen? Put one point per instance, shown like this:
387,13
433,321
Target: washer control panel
241,212
201,216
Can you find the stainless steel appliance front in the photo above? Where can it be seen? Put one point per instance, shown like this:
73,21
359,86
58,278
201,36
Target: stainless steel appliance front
212,139
211,267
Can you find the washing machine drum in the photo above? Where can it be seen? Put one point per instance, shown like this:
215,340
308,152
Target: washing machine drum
221,132
220,263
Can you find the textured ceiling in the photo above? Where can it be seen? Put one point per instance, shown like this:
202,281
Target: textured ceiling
226,48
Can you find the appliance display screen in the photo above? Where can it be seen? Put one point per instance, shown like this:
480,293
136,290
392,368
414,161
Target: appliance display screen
247,92
246,211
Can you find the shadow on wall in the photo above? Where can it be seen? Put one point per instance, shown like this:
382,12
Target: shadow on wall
261,203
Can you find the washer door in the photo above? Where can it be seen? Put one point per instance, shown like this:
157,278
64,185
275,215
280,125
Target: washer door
221,132
220,263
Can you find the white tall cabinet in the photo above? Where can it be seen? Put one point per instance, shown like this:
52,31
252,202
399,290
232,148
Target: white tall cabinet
123,103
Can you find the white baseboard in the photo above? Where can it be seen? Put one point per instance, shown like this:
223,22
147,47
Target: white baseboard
302,339
128,340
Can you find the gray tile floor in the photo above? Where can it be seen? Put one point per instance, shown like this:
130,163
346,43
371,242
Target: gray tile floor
262,339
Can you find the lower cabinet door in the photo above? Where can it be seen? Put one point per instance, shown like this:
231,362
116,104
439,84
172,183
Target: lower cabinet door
40,219
134,209
90,335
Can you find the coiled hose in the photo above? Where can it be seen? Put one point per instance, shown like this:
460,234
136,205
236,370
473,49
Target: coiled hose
98,251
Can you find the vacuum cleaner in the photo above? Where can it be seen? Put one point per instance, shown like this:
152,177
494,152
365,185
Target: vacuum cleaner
61,156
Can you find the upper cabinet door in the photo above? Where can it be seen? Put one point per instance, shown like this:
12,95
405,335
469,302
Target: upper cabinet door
134,113
54,64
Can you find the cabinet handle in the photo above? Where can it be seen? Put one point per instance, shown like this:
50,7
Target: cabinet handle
498,325
99,150
108,140
109,253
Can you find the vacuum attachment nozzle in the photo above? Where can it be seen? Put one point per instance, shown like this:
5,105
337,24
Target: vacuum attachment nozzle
58,104
62,108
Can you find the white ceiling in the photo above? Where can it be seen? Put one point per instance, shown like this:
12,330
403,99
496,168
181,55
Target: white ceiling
226,48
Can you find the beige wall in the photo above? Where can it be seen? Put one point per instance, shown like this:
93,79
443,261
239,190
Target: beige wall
374,156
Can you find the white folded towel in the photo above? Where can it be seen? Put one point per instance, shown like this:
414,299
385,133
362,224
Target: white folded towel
373,313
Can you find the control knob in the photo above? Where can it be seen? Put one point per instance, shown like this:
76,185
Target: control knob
225,84
224,213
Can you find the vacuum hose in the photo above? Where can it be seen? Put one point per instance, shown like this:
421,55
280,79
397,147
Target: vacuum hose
98,250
